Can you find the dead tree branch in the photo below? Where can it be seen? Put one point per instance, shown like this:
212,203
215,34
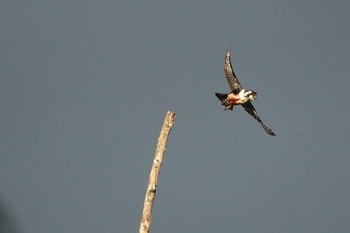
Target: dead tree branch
153,178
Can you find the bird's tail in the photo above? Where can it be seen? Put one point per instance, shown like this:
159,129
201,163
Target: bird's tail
223,98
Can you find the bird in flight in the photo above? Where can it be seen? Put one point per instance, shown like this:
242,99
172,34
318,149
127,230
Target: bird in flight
239,96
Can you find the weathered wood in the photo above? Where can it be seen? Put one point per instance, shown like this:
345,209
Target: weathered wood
153,178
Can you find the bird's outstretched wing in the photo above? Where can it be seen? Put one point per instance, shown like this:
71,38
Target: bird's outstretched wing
230,74
251,110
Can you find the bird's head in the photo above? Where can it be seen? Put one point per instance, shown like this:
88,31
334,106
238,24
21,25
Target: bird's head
249,94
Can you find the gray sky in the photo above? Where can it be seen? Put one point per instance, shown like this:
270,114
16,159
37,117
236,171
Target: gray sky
85,86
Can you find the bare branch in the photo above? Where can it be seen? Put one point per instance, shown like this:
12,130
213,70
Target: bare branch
153,178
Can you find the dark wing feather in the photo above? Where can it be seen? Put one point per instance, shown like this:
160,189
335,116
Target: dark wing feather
251,110
230,74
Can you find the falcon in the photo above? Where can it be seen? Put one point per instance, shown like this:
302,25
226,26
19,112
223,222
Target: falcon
239,96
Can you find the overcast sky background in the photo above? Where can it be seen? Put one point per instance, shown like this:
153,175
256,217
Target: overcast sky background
85,86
